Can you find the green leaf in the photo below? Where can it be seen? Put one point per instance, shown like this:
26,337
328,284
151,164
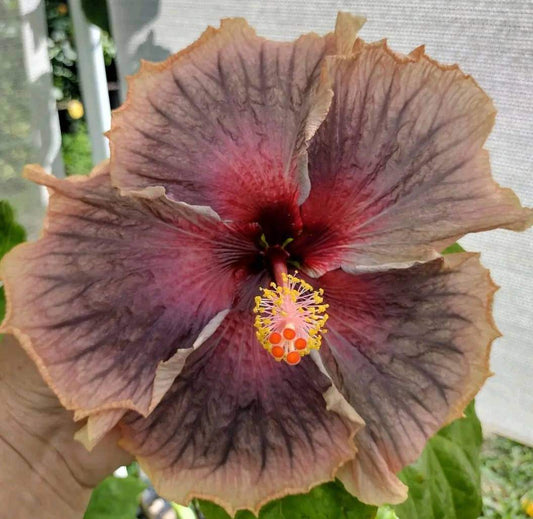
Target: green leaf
328,501
96,12
453,248
76,148
212,511
386,512
115,498
444,483
11,233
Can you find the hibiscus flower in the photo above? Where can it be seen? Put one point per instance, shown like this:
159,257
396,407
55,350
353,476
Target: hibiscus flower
258,193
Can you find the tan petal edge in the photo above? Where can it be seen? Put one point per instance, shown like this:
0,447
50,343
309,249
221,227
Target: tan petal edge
457,410
396,491
347,26
418,54
97,426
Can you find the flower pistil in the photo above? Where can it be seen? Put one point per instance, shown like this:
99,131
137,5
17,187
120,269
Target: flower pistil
290,318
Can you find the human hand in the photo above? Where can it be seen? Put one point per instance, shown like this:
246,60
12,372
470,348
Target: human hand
44,472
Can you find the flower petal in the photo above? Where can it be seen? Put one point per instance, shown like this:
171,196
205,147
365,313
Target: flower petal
239,428
397,169
97,426
225,123
409,349
369,477
115,286
347,26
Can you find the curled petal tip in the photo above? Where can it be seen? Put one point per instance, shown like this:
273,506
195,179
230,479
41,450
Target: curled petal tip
148,66
97,426
346,28
35,173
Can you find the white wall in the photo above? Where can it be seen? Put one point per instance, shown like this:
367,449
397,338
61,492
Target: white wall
29,123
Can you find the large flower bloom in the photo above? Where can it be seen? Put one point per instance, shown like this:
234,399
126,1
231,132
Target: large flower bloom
236,163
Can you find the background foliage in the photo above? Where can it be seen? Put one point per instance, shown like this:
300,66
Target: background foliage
328,501
445,482
11,233
75,142
117,498
77,150
62,50
506,475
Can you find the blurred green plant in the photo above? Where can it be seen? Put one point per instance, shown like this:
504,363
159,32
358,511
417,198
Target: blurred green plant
76,148
117,498
62,51
507,474
386,512
453,249
96,13
11,233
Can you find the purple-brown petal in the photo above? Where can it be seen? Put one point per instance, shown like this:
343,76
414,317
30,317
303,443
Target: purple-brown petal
114,287
408,348
239,428
225,123
397,168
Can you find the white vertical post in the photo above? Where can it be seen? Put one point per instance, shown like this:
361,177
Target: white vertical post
30,200
93,80
46,135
